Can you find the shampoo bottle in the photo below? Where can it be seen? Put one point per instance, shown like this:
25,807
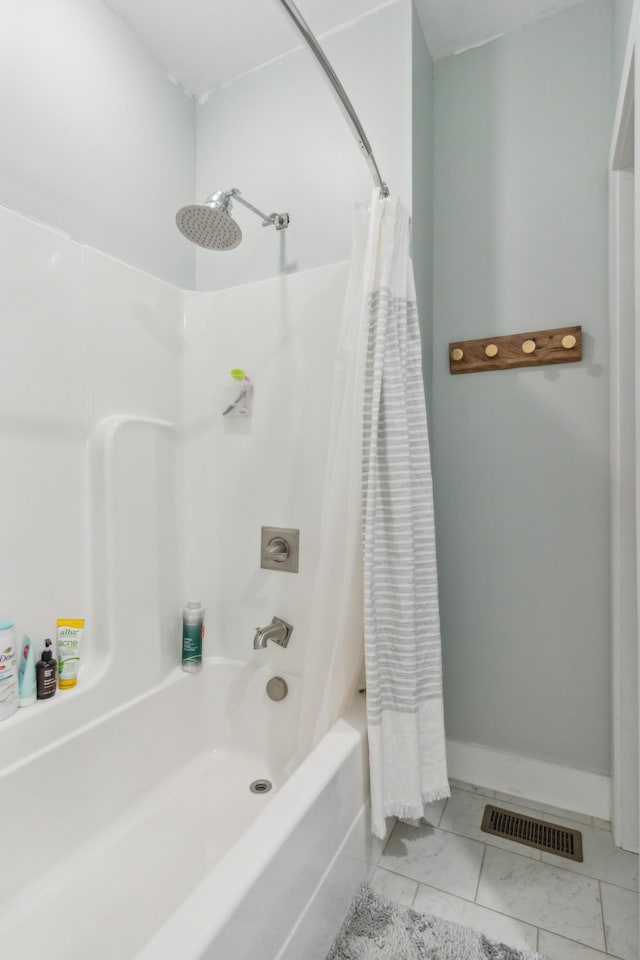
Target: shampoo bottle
8,670
46,673
27,674
192,635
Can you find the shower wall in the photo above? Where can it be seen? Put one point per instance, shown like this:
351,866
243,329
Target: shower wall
277,134
44,426
266,470
92,354
521,457
96,140
124,488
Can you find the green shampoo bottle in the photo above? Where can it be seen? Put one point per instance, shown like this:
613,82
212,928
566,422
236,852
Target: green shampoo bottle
192,636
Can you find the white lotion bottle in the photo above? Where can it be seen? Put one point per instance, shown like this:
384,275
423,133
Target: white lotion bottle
8,670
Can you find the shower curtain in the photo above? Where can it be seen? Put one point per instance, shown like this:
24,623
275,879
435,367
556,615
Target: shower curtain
377,564
334,651
402,625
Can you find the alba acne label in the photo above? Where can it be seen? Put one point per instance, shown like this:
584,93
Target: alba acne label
69,640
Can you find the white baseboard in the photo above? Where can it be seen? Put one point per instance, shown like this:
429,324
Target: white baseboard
537,780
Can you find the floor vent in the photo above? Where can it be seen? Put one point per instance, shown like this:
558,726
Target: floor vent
533,833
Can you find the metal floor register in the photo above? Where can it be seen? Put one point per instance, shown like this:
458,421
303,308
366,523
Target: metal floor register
533,833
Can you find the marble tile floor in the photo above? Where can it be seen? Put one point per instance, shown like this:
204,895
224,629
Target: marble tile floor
512,893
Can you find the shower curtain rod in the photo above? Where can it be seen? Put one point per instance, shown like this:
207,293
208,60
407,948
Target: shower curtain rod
350,114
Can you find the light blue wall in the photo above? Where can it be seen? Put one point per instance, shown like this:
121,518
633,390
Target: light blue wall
278,134
96,141
622,10
422,179
523,126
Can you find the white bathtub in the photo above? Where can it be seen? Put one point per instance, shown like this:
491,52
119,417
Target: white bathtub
138,837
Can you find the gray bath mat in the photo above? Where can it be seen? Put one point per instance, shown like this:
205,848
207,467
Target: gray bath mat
377,929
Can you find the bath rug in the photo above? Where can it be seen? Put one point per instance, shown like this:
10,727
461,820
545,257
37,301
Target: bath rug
377,929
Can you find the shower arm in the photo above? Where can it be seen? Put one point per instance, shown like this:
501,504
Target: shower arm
278,220
340,93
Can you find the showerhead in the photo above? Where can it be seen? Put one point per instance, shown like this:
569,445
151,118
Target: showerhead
210,224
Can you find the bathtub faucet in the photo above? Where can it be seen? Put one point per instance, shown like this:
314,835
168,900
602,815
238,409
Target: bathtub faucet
278,630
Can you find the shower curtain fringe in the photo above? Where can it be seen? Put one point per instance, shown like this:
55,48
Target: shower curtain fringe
417,811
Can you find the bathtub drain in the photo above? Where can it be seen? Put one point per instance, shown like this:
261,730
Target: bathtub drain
261,786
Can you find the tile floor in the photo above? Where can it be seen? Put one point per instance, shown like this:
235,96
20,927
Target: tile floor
513,893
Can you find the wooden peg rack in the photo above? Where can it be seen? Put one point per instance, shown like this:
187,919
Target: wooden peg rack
562,345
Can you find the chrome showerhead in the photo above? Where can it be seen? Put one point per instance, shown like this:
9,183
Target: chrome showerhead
211,226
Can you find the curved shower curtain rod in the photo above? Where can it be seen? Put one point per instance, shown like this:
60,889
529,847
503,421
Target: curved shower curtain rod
343,100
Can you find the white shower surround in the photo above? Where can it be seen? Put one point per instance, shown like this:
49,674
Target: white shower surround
128,491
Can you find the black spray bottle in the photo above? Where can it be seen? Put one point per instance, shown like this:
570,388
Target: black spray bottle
46,673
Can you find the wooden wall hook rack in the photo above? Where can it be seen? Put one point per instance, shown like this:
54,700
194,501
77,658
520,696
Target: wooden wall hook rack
561,345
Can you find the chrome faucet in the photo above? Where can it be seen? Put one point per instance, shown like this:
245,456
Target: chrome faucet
278,630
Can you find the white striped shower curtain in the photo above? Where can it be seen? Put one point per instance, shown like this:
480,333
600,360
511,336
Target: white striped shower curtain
401,617
378,438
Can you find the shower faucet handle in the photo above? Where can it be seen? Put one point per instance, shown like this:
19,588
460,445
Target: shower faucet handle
277,549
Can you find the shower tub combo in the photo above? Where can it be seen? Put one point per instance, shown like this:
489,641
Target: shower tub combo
151,844
130,827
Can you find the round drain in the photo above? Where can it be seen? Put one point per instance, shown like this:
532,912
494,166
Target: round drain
277,688
261,786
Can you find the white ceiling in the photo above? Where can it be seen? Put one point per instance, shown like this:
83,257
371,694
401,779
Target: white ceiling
204,43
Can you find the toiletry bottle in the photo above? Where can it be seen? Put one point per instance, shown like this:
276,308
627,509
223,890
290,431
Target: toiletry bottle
27,673
46,673
69,643
8,670
192,636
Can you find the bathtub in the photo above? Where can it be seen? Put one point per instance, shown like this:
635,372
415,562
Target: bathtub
137,836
